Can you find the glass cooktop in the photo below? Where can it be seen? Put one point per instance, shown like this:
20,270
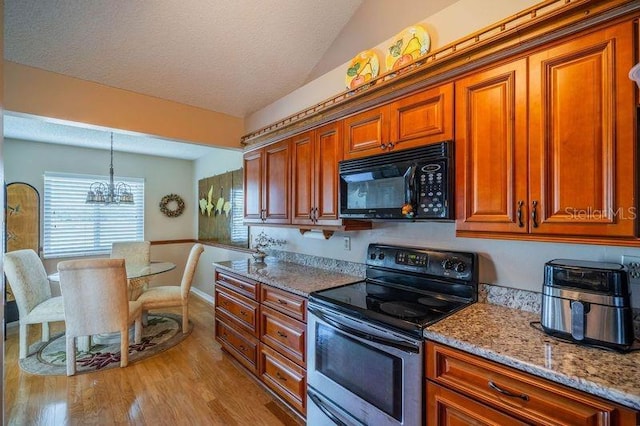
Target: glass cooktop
406,309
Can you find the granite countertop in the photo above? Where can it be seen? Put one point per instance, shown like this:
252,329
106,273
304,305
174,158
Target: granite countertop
292,277
504,335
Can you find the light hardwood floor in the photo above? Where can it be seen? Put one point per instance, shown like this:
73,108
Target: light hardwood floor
193,383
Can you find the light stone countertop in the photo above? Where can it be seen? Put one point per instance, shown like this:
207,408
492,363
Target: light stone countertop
504,335
292,277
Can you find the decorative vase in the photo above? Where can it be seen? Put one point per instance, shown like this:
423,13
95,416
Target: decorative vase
259,256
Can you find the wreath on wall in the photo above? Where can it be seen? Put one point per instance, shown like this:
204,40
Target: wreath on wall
167,205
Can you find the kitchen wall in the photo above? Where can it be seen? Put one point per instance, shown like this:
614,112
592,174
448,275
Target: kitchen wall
516,264
449,24
219,161
26,161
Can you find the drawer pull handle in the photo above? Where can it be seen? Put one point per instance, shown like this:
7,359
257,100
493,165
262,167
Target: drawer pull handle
282,302
243,313
507,393
281,334
280,376
242,348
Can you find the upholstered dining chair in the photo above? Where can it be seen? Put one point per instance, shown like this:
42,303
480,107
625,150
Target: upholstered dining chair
32,291
134,253
172,295
96,301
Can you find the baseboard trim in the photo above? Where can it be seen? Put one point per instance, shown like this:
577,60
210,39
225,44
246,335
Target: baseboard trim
202,295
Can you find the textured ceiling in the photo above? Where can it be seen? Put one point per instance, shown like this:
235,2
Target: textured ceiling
194,52
229,56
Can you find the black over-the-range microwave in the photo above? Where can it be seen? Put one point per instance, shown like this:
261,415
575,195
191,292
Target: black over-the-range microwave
414,184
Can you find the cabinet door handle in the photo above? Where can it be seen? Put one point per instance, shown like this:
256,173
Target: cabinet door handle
391,146
315,214
534,214
496,388
281,334
311,214
519,214
280,376
383,146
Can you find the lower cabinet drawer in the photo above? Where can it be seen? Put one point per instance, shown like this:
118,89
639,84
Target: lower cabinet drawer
283,333
237,309
446,407
283,377
518,394
240,344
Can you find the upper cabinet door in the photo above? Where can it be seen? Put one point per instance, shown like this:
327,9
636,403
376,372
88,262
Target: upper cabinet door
328,152
422,118
252,164
302,178
314,179
276,183
491,150
366,133
582,139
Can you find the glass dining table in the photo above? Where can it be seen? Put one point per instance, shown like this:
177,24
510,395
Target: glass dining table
136,275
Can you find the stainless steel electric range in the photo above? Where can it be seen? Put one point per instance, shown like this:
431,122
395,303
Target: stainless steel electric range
365,344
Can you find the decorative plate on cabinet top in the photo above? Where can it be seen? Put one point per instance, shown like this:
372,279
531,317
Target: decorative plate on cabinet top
363,68
407,46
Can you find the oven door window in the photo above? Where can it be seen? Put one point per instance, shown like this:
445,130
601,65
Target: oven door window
373,375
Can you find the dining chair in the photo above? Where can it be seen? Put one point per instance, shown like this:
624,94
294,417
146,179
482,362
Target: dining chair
96,301
173,295
134,253
32,291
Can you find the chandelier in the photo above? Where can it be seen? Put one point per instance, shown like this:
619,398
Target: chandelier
109,193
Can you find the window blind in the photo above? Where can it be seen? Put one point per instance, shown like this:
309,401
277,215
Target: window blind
73,228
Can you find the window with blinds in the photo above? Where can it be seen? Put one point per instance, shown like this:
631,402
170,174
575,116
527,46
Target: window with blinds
73,228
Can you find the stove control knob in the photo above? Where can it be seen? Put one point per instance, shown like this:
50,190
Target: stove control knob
447,264
460,267
372,256
381,256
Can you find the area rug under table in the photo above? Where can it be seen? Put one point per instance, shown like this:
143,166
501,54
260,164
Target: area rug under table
49,358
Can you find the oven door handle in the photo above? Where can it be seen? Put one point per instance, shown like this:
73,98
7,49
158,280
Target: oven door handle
403,346
326,410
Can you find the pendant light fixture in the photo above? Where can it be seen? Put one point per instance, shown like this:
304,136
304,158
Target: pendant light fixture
109,193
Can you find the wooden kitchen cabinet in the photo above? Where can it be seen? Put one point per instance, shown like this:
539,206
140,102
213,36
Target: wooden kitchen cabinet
491,149
314,178
236,317
582,137
284,377
462,387
283,337
266,184
412,121
264,329
558,162
366,133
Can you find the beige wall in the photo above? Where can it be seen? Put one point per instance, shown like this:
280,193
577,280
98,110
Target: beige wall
46,94
516,264
447,25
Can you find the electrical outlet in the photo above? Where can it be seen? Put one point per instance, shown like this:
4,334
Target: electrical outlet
346,243
633,266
